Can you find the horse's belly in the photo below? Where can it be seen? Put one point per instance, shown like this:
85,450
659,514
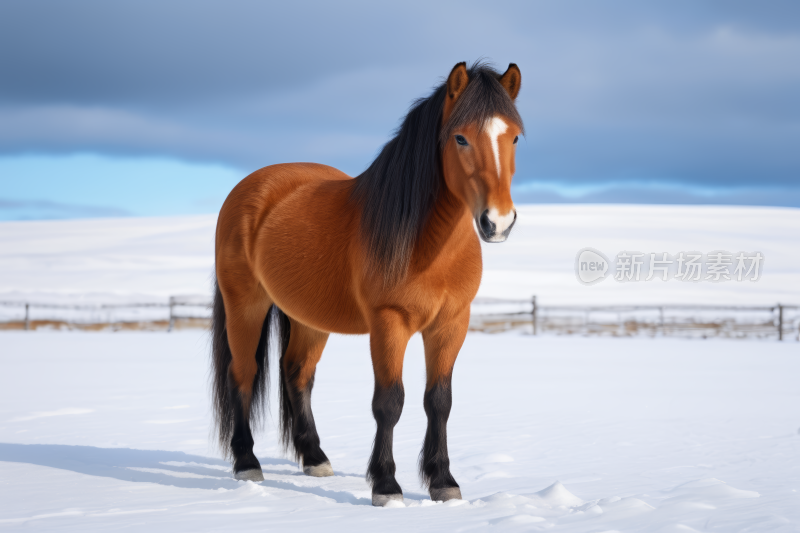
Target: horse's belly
313,294
304,265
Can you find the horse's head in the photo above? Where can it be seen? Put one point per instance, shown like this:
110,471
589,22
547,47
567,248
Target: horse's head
480,129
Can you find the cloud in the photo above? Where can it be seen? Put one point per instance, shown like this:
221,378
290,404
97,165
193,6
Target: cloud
67,129
692,94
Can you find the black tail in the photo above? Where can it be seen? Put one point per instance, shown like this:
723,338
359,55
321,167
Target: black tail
224,396
286,412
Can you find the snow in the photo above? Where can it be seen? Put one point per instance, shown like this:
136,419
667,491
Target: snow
148,259
102,431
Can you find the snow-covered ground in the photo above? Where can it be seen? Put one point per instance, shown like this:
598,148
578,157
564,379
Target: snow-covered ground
105,431
102,431
148,259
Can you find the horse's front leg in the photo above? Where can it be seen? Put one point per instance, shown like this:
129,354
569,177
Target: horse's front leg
443,340
389,334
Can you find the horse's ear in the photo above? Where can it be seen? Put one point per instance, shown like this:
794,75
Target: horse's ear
511,80
456,83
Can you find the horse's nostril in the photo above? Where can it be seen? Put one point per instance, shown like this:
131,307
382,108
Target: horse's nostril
487,226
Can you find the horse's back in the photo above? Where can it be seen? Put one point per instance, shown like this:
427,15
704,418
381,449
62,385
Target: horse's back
254,198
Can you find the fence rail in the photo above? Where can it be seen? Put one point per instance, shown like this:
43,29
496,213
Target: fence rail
177,311
685,320
488,314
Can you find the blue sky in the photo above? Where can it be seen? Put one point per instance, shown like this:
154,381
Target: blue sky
154,108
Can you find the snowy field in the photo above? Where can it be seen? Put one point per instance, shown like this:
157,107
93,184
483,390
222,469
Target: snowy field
105,431
148,259
110,431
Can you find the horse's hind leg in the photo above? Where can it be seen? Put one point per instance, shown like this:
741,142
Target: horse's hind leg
443,341
247,335
298,366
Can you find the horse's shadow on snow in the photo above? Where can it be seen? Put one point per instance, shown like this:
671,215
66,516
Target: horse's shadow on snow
152,466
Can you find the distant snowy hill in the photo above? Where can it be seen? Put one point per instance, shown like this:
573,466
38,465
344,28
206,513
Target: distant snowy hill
151,258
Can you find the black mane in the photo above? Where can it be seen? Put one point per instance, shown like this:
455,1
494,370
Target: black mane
399,189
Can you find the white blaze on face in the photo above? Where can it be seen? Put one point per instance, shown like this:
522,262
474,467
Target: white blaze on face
494,128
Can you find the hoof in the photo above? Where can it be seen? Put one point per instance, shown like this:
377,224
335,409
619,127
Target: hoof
254,474
322,470
382,500
442,495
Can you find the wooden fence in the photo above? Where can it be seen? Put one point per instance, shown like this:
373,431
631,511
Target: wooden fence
489,315
176,313
696,321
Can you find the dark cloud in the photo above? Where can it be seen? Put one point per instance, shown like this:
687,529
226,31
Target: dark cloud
692,93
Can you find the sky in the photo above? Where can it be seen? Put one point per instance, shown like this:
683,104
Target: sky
159,108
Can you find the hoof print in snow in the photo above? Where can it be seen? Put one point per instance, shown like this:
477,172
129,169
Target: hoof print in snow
386,500
322,470
254,474
443,495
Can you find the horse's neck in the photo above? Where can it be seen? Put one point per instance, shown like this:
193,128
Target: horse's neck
444,231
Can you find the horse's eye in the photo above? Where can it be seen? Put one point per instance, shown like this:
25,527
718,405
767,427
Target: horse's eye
516,139
461,140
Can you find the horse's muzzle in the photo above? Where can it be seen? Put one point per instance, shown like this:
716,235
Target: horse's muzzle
495,228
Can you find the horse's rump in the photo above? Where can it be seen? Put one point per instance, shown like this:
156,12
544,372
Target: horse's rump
290,229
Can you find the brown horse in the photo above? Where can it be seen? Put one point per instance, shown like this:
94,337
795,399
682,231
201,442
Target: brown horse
303,250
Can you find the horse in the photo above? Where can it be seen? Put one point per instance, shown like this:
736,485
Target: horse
303,250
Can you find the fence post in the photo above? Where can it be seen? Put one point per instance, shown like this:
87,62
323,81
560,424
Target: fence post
171,313
780,322
27,317
533,313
